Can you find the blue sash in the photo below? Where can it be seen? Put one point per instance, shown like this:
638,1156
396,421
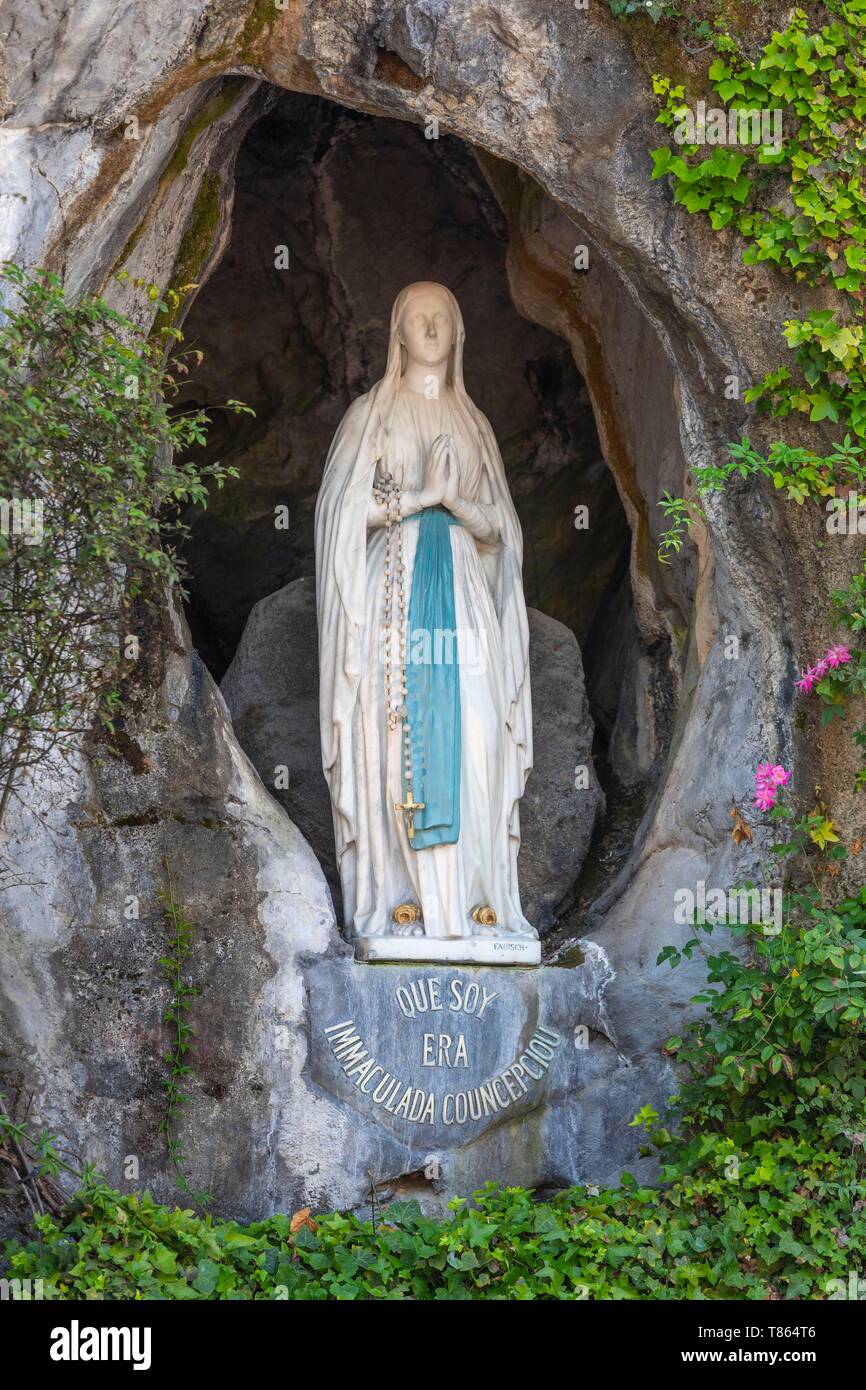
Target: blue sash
433,681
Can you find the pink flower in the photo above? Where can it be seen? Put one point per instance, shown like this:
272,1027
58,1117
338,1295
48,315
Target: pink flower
768,778
833,657
811,676
837,656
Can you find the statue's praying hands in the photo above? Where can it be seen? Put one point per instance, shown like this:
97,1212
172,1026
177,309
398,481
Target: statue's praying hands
441,473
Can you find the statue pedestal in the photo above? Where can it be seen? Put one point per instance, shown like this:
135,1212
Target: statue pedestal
457,950
427,1080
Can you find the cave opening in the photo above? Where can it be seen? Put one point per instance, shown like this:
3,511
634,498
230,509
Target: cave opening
334,211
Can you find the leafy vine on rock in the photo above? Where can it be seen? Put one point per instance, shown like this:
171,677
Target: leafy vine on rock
793,190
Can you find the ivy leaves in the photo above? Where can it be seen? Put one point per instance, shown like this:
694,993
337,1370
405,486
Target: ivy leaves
815,82
764,1232
831,358
716,185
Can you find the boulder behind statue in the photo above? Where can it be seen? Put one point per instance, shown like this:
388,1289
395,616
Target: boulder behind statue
272,691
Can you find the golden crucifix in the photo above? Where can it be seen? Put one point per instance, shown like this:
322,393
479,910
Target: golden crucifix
409,807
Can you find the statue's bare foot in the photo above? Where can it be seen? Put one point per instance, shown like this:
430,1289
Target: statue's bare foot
408,929
407,920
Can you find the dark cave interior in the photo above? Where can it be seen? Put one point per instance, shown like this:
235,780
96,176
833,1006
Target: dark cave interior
364,206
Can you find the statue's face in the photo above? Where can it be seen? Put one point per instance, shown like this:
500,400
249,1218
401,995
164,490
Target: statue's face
426,329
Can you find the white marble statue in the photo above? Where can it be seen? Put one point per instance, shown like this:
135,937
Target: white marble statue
423,652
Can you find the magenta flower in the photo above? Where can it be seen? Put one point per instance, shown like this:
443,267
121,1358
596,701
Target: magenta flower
768,778
837,656
812,675
832,658
765,798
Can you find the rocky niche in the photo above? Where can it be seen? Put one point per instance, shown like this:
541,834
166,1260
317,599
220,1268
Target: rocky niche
361,207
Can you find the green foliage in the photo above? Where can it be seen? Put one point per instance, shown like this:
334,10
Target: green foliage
682,513
773,1231
87,436
653,9
717,184
773,1077
178,1058
778,1058
800,473
831,359
800,204
781,1048
799,200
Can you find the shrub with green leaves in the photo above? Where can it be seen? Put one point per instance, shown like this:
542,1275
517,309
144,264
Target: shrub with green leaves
830,384
771,1226
91,474
780,1050
798,472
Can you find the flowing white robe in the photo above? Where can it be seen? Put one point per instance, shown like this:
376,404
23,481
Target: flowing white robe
361,757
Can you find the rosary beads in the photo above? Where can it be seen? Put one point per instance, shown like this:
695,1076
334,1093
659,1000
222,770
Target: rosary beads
387,492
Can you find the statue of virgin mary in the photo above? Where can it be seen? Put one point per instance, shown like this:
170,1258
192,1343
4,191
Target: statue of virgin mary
425,711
